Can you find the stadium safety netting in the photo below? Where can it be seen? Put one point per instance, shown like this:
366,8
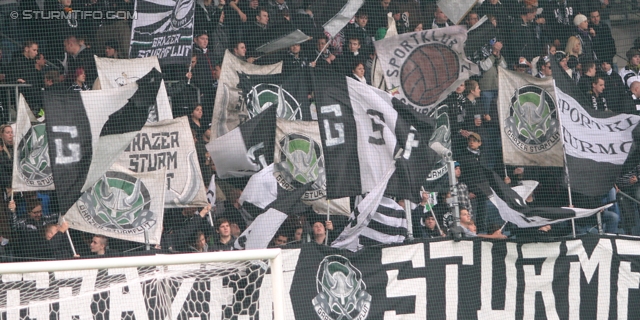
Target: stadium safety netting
406,159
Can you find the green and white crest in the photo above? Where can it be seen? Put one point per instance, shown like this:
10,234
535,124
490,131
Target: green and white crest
264,95
532,125
33,158
299,160
341,291
118,203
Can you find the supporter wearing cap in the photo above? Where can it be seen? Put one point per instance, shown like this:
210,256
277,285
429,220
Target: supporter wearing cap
523,66
585,35
295,60
219,37
111,50
631,72
544,68
563,61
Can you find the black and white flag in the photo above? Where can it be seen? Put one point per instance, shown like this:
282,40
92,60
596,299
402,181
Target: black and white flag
538,217
261,190
597,143
115,73
86,135
246,149
363,131
229,110
261,231
269,216
368,212
299,160
163,29
288,92
513,207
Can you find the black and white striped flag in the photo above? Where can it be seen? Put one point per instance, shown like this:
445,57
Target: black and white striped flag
374,220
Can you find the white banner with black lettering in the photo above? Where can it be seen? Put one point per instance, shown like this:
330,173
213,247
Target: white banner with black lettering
169,144
596,147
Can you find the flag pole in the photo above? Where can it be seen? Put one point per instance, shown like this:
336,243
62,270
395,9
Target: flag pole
189,81
566,169
628,197
436,219
407,211
73,248
321,51
326,237
599,217
503,225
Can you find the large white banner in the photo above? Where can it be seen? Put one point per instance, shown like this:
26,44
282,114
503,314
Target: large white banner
168,145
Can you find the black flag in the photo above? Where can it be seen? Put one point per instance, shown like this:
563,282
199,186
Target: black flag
246,149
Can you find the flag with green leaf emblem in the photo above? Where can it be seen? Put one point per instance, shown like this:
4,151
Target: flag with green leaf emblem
529,126
298,159
31,165
123,204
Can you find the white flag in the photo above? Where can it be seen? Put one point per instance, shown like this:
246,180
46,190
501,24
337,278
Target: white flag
122,205
31,164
